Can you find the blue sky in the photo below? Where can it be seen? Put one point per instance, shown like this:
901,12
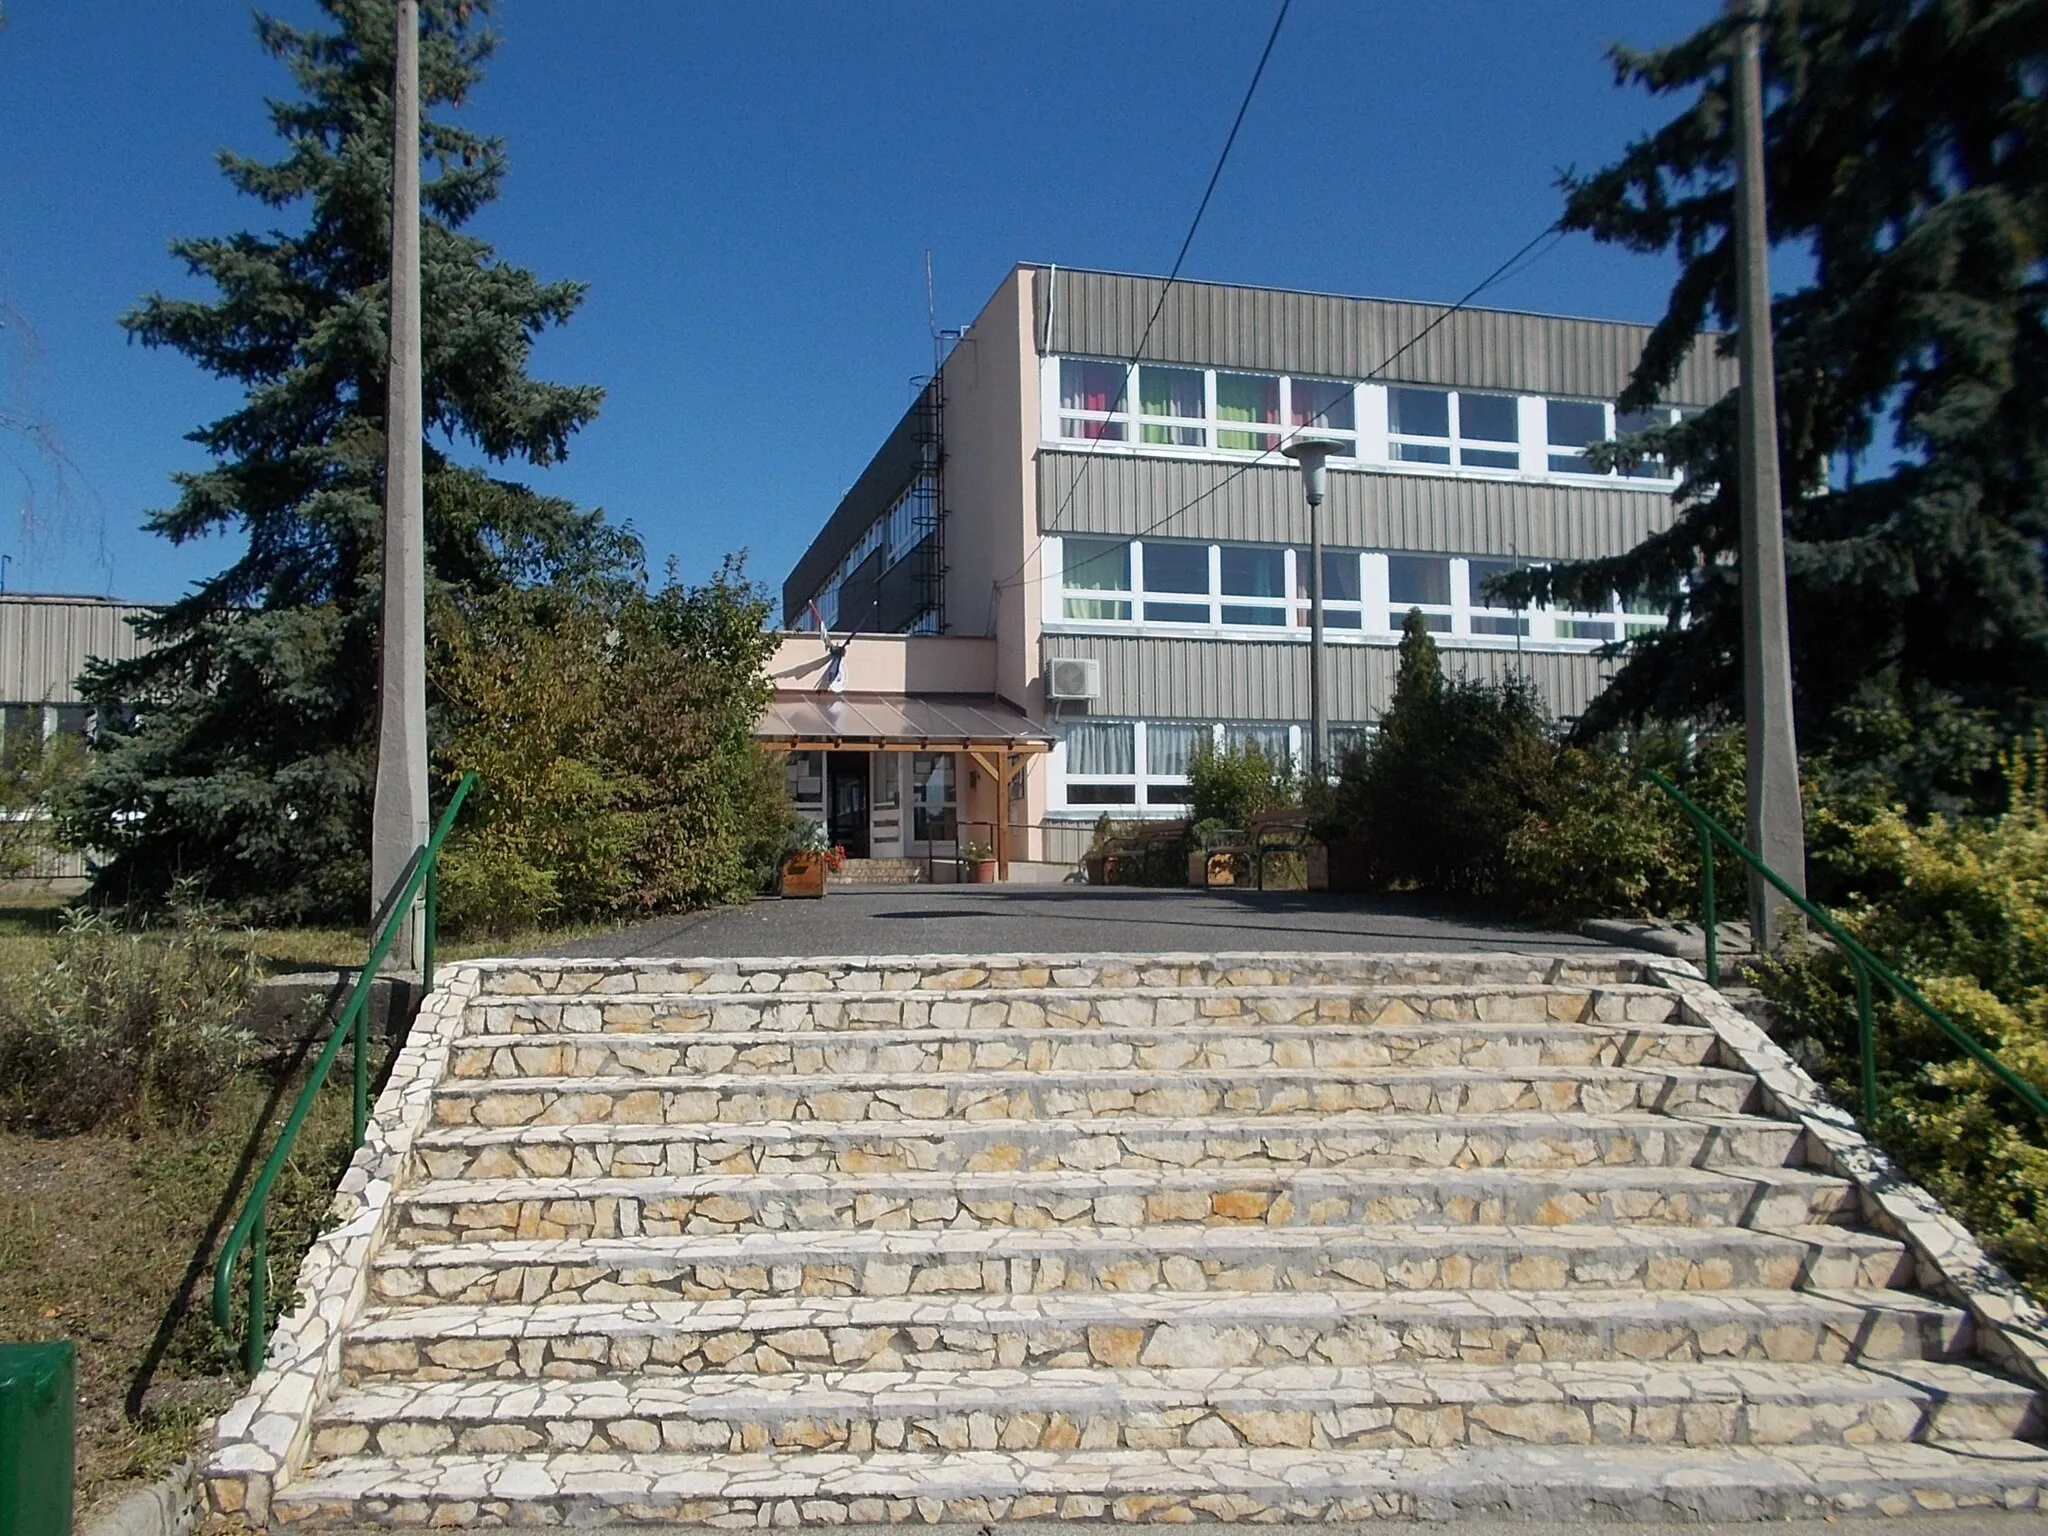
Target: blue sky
750,190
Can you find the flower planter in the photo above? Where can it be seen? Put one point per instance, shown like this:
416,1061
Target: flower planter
1095,867
982,871
803,874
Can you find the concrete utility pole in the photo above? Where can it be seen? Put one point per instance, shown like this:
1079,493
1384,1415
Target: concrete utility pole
399,820
1312,453
1777,828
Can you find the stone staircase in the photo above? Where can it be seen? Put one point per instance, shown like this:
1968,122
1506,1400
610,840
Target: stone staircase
1301,1238
887,872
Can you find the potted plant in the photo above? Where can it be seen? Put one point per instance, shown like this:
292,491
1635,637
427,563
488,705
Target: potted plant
981,863
803,867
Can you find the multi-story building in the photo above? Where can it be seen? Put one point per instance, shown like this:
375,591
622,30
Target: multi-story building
1091,498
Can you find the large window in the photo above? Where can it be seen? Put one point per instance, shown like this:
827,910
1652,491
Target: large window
1179,407
1178,582
1170,748
1093,399
1462,427
1174,405
1182,584
1091,566
1252,398
1169,405
1627,423
1102,763
1272,742
1489,431
1492,615
1573,425
1420,581
1254,582
1343,591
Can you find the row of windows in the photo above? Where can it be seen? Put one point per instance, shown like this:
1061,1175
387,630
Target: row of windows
1145,762
895,533
1180,582
1213,409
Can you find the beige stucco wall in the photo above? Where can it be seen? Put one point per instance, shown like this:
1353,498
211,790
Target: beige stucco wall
890,664
992,432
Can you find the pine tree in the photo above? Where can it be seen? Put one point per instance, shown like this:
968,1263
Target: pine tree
238,752
1907,151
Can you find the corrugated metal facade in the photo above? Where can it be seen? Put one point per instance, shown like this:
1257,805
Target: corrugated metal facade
46,641
1104,314
1145,678
1130,495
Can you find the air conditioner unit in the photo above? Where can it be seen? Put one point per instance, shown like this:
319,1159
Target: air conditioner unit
1073,678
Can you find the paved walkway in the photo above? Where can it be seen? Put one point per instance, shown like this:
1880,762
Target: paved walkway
1062,919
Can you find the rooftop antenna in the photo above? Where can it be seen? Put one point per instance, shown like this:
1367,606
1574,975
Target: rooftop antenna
5,561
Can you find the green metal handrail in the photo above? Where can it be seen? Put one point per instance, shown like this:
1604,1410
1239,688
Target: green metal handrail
1866,965
251,1229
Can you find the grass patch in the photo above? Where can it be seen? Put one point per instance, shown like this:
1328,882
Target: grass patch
108,1238
28,934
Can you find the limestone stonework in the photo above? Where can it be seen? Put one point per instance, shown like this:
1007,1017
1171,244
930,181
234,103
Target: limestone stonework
1123,1238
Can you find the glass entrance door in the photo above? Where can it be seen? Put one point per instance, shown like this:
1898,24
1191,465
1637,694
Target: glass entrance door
847,801
934,801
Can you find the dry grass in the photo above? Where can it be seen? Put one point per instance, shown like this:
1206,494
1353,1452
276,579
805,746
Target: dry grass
28,931
108,1239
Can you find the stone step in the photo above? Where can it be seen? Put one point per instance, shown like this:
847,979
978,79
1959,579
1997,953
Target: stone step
784,1489
481,1210
1013,1260
1528,1141
1134,1408
724,1098
1038,1007
1334,1045
976,973
1076,1330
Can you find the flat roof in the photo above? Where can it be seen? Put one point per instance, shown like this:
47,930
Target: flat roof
882,722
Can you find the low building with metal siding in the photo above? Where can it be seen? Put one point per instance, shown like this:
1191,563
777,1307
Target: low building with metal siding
46,640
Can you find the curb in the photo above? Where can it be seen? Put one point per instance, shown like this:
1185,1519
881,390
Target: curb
167,1508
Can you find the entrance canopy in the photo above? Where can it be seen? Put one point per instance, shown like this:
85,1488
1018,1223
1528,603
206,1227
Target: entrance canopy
897,722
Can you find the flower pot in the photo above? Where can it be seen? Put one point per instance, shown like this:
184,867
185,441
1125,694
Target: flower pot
1095,866
982,871
803,874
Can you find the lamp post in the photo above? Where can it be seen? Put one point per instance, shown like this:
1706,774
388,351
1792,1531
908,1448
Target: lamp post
398,817
1312,453
1777,831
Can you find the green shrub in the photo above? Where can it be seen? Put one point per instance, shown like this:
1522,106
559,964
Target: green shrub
1452,772
1960,908
611,730
1234,785
35,773
123,1023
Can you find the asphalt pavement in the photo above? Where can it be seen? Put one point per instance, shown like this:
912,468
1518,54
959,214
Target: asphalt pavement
1063,919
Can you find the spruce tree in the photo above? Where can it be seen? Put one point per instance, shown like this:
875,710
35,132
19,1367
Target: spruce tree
237,753
1907,153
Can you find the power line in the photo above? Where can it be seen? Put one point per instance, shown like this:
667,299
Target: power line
1498,274
1188,241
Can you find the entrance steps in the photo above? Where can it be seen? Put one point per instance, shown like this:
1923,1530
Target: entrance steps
880,872
1117,1239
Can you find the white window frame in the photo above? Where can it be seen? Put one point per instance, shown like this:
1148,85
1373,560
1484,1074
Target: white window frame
1134,419
1128,596
1069,780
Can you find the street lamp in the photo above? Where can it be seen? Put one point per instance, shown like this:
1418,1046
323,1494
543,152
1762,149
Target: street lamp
1312,453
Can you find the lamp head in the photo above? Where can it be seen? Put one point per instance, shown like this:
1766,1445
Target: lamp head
1311,453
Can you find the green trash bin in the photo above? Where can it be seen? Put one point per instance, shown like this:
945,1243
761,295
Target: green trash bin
38,1391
